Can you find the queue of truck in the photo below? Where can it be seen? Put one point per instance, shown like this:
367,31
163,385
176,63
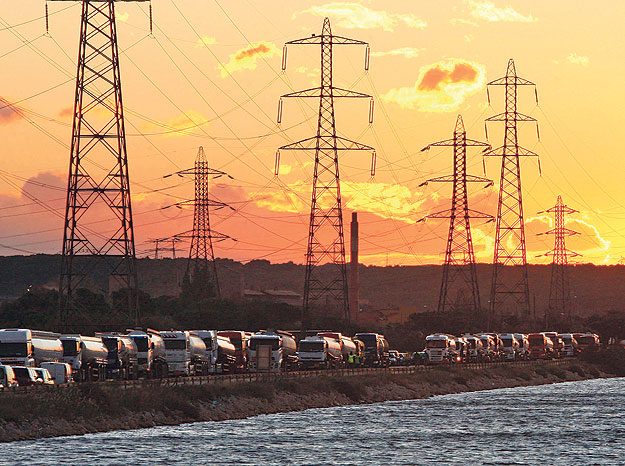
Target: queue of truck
29,357
491,347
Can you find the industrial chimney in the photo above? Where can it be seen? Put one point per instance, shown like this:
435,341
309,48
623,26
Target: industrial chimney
354,290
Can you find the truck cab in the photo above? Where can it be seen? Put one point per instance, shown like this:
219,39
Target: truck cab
475,348
239,339
122,361
87,356
511,347
177,352
541,346
272,352
150,353
571,347
319,352
440,348
25,347
489,346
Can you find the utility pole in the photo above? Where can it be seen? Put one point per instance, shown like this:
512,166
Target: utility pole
560,290
510,287
459,287
98,186
326,243
201,253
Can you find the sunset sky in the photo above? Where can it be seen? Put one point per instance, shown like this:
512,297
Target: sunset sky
211,75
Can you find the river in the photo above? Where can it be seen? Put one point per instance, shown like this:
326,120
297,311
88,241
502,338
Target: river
574,423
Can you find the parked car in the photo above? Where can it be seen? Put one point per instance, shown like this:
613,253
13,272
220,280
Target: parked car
61,372
26,376
7,377
44,375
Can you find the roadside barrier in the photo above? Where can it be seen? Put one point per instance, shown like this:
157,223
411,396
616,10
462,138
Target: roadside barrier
251,377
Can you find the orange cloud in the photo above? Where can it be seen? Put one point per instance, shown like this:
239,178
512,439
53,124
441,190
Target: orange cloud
245,59
441,87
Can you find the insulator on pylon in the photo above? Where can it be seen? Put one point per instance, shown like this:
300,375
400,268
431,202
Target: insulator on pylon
280,111
47,21
488,95
367,55
484,165
537,131
151,19
371,104
374,157
284,58
486,130
536,94
540,172
276,169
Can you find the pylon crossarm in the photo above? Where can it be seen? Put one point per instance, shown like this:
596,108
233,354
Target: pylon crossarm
505,152
319,39
206,172
312,144
560,231
318,92
506,117
511,80
445,143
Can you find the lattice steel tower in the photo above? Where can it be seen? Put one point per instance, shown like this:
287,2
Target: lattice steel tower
459,287
326,242
98,187
201,253
510,288
560,291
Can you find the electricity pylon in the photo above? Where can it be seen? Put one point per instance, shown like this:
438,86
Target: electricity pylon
510,282
201,262
98,188
459,287
560,290
326,241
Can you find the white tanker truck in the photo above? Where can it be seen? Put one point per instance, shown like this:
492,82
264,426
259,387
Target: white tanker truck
272,351
87,356
185,353
319,352
150,353
24,347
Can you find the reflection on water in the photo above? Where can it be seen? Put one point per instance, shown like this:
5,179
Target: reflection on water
575,423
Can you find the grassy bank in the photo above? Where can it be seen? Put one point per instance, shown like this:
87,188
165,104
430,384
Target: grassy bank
97,408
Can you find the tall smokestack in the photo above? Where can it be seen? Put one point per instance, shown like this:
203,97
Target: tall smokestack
353,269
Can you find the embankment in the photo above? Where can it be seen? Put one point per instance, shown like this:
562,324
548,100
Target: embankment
91,408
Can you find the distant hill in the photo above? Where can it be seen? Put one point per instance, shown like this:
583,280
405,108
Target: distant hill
595,288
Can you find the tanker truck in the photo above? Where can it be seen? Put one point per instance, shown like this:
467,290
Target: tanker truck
185,353
24,347
122,361
272,351
150,353
220,351
348,346
319,352
87,356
